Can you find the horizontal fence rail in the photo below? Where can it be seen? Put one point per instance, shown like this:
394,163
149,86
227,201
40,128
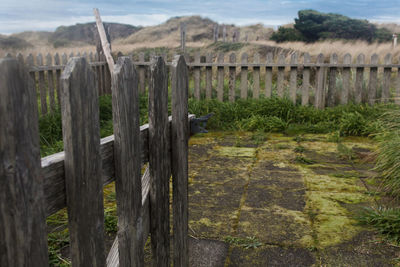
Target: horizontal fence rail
320,81
75,177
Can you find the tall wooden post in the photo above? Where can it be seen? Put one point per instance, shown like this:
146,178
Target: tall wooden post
183,37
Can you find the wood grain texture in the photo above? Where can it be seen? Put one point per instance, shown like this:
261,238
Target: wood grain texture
331,95
82,164
305,88
232,78
320,84
373,80
358,87
142,74
159,162
220,78
57,62
387,72
268,75
209,58
104,42
50,83
256,77
179,160
128,184
293,78
42,87
23,236
346,76
243,77
196,76
281,76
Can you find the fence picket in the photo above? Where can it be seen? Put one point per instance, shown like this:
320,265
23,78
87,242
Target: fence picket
268,75
293,77
319,84
256,77
127,144
209,77
281,76
305,88
23,235
42,88
50,83
84,186
243,77
220,73
331,96
196,74
387,72
58,76
344,99
179,149
159,162
232,78
373,80
358,87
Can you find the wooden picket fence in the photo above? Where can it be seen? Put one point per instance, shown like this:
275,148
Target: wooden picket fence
228,78
32,188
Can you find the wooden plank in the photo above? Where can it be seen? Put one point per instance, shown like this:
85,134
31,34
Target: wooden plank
84,186
179,160
20,58
107,80
64,59
50,83
30,63
220,73
243,77
42,88
256,77
23,236
196,74
281,76
387,72
268,75
232,78
293,77
103,76
128,185
358,87
305,88
58,76
346,76
159,162
209,59
319,92
104,42
332,81
142,75
373,80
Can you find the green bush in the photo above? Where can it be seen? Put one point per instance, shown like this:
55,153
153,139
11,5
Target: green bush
287,35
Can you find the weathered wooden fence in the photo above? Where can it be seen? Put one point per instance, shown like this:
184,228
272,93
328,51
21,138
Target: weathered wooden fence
320,82
31,190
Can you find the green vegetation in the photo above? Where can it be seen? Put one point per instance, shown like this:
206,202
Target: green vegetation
311,26
248,242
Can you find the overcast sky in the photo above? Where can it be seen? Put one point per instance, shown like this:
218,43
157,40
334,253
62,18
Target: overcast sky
26,15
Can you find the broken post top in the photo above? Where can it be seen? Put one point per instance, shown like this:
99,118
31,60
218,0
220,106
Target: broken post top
104,42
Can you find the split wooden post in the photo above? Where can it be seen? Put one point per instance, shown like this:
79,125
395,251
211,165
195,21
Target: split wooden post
104,42
387,72
281,75
256,76
220,73
209,58
293,77
42,88
358,88
344,99
23,237
373,79
232,78
319,92
305,88
127,151
196,74
179,149
243,76
84,185
50,83
332,80
159,162
268,75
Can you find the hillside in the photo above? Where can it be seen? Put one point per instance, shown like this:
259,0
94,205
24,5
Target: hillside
13,43
198,29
